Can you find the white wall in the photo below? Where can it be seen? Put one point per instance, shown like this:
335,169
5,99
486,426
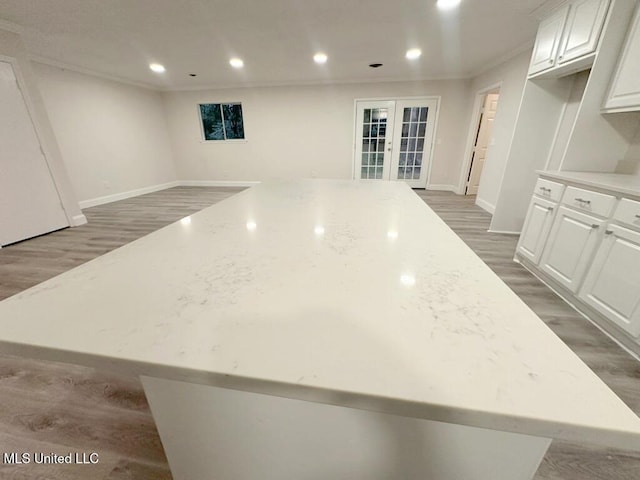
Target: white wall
631,162
511,75
11,46
304,131
113,137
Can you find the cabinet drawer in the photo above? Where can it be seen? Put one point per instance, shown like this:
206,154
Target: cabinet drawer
549,190
588,201
628,212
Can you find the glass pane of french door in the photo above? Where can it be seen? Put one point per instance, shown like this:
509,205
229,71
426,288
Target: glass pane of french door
374,135
413,134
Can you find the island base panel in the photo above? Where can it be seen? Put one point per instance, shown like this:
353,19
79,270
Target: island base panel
221,434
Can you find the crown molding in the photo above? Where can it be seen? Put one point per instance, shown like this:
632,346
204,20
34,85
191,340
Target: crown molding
87,71
313,83
503,59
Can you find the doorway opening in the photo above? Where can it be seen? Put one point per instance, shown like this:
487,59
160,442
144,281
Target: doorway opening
483,139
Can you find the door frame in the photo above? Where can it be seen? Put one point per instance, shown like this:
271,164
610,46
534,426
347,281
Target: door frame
437,98
473,130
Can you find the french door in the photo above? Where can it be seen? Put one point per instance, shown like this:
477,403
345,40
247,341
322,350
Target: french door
394,138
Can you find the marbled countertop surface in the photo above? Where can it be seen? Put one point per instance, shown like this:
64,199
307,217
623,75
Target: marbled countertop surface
615,182
348,293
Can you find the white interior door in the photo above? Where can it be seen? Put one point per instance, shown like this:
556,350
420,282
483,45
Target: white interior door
394,138
483,141
29,201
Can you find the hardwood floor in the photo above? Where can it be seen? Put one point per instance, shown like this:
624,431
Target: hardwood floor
50,407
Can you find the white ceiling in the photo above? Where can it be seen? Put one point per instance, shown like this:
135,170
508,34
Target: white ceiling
275,38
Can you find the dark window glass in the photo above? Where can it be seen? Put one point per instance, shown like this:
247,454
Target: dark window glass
222,121
233,126
211,121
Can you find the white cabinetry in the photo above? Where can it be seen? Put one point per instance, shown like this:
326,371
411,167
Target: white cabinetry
547,43
536,228
568,35
583,240
624,94
540,216
582,30
571,243
612,285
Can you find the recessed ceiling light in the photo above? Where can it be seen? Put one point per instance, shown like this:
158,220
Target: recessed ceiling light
408,280
236,63
413,53
156,67
320,57
447,4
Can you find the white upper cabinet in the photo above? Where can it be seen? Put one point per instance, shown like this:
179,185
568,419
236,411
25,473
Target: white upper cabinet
547,43
566,39
582,29
624,94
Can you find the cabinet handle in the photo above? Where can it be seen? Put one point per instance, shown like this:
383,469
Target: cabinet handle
583,201
608,232
637,216
550,209
545,189
551,60
595,225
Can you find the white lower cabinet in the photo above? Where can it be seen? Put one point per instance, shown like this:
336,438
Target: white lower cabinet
584,242
536,228
612,285
572,241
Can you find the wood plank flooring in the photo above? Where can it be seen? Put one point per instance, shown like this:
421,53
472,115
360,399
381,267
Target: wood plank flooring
52,407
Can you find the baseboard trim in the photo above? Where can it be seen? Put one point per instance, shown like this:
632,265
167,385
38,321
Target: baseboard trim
78,220
217,183
442,187
92,202
483,204
594,317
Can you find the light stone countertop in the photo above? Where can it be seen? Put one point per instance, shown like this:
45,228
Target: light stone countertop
624,184
340,292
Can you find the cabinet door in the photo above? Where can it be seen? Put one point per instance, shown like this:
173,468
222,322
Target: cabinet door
536,229
571,244
612,285
625,86
548,41
582,30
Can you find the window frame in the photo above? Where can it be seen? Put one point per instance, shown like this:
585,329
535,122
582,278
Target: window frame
203,139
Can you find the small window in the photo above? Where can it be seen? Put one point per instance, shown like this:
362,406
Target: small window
222,121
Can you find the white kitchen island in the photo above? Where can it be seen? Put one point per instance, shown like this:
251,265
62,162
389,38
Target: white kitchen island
319,330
